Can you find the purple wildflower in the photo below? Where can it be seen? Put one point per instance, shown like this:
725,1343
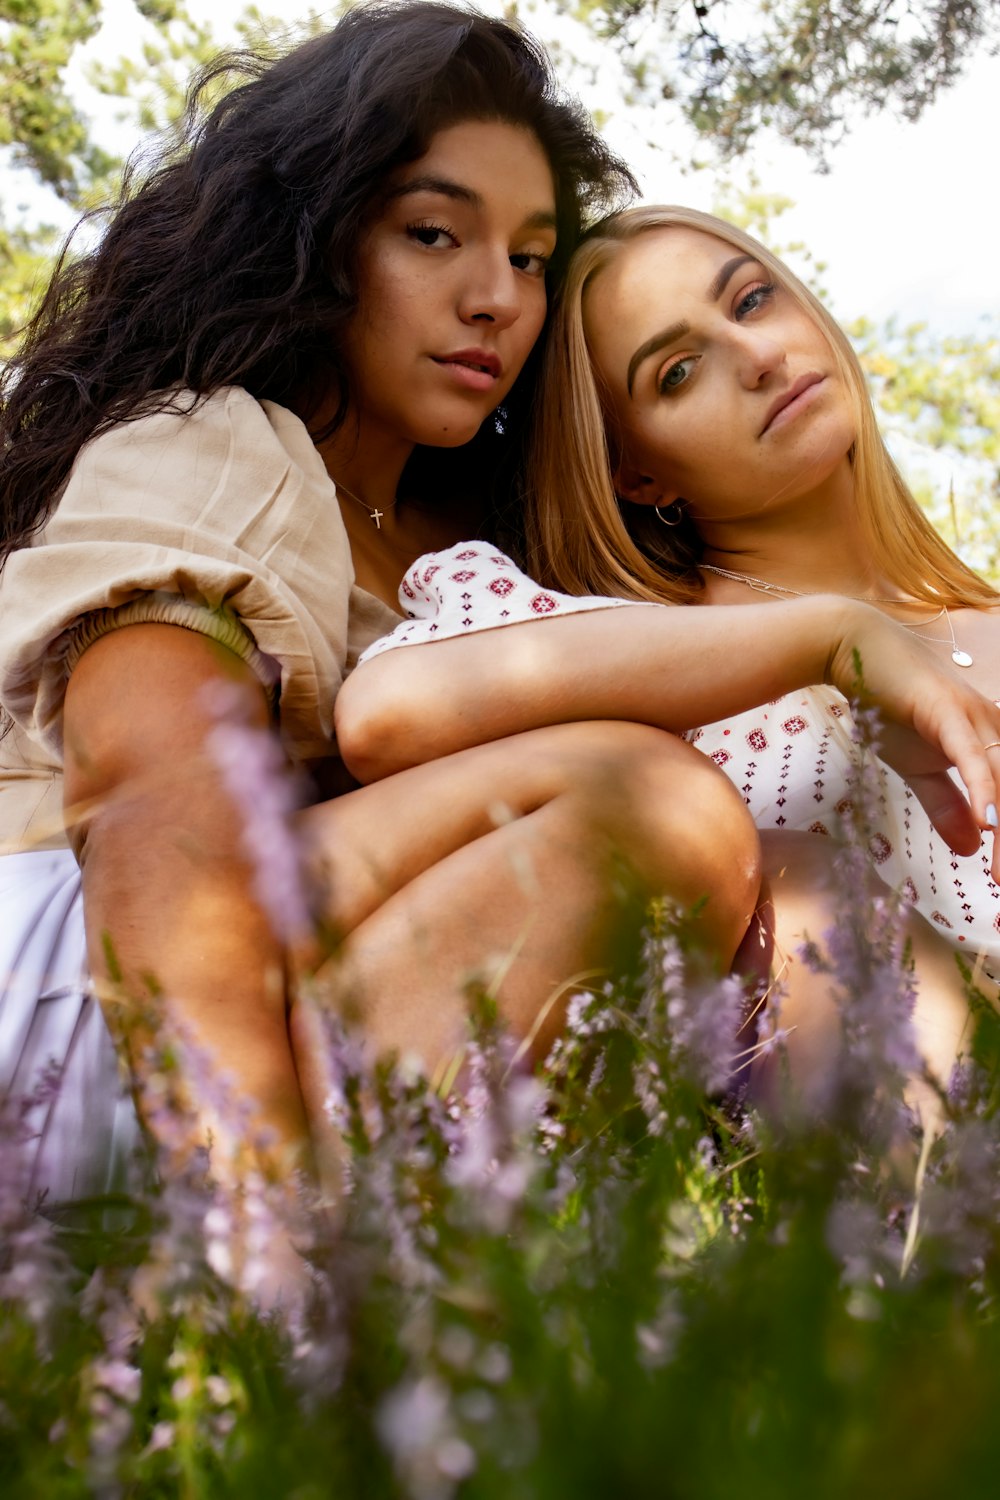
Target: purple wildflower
35,1273
493,1162
257,778
418,1428
697,1019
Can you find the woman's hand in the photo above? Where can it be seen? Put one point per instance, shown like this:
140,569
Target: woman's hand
932,720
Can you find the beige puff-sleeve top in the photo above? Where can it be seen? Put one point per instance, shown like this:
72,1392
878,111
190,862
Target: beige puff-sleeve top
220,519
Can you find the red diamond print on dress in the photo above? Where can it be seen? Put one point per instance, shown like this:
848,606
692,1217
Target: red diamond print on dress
879,847
407,590
844,806
720,757
463,576
910,891
544,604
818,828
429,572
836,710
757,739
465,556
502,586
795,724
940,919
996,924
501,561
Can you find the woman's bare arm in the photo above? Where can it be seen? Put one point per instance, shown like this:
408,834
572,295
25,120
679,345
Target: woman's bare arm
165,878
674,668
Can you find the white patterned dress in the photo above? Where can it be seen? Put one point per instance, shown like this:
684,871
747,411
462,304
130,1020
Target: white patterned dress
794,760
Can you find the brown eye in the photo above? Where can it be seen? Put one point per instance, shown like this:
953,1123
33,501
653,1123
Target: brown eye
434,236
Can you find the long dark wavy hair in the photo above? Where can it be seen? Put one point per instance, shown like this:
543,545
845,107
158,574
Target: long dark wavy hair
233,262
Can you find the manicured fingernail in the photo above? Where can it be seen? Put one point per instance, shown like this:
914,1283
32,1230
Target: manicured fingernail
991,815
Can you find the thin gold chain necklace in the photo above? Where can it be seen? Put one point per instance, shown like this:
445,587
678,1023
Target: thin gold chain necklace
761,586
376,516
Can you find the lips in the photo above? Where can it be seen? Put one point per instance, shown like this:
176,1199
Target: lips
790,395
473,359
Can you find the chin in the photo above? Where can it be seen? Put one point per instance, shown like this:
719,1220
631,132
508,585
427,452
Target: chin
454,436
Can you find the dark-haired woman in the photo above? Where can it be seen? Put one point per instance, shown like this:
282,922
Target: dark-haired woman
218,458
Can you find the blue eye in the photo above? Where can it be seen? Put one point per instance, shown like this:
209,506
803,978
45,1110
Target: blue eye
675,375
755,298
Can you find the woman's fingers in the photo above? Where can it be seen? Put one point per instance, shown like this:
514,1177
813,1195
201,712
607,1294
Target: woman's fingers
958,727
969,737
948,810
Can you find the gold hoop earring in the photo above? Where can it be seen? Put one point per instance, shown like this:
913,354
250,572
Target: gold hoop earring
677,506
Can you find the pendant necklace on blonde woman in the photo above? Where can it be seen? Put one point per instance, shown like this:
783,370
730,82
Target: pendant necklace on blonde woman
375,515
761,586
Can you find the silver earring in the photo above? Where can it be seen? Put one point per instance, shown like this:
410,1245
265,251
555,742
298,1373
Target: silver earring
677,506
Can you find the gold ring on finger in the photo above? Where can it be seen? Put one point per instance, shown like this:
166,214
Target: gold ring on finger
993,745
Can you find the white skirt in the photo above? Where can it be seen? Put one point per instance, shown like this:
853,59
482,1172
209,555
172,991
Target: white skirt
83,1136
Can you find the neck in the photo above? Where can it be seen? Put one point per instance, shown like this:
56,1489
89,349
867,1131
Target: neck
365,470
814,546
386,533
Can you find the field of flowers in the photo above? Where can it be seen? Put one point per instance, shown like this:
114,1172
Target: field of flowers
611,1279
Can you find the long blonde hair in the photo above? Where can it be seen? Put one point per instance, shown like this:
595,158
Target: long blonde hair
576,534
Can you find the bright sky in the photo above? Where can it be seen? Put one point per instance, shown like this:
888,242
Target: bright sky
908,218
903,221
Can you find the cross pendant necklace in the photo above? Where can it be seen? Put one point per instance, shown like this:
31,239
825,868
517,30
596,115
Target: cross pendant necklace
375,515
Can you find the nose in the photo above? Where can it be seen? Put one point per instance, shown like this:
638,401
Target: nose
757,355
491,293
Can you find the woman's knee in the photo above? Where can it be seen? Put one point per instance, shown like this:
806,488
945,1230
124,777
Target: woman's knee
672,815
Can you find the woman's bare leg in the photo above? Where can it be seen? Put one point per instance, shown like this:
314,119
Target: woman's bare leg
801,904
517,866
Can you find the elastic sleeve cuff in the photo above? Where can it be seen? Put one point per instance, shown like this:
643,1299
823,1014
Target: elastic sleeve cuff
220,625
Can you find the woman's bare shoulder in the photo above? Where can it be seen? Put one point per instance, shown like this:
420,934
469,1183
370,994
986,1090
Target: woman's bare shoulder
977,634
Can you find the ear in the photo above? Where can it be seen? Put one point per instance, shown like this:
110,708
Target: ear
640,489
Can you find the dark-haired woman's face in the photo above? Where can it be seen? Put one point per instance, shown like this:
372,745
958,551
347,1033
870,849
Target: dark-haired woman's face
452,286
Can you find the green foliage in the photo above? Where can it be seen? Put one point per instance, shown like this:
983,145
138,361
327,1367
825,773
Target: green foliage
609,1286
152,88
25,262
947,390
47,131
940,399
801,67
38,119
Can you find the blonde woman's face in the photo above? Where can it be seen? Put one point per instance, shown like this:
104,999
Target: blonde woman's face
725,391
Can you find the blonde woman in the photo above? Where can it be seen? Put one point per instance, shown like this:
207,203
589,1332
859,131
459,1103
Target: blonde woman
706,438
725,450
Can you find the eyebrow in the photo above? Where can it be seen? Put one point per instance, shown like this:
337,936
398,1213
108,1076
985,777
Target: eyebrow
445,187
678,330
